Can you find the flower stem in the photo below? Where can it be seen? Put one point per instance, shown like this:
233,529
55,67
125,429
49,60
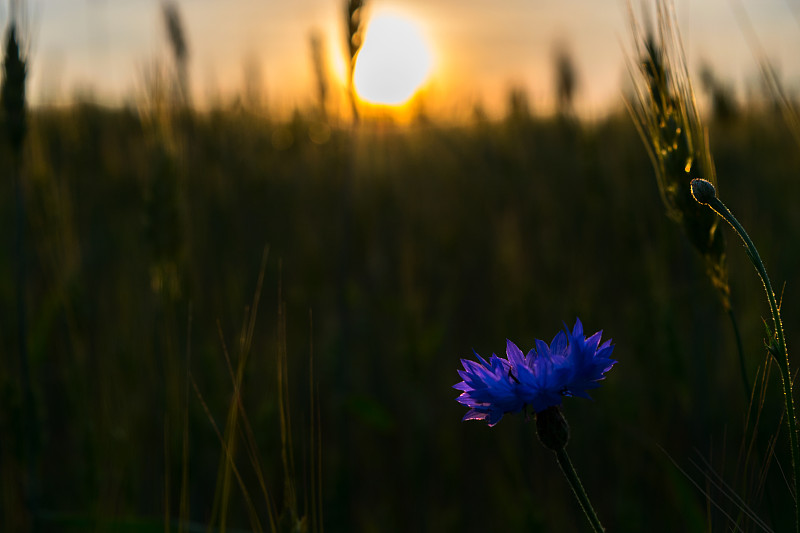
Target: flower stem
577,488
779,352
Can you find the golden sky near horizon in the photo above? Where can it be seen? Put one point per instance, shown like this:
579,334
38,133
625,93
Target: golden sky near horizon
478,49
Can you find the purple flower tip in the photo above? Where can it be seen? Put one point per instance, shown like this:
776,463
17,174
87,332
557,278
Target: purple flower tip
570,365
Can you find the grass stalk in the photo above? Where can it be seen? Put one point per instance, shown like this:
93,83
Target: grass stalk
29,419
739,351
227,465
315,431
183,509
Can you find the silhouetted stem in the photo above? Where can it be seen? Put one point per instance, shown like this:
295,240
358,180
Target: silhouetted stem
577,488
782,356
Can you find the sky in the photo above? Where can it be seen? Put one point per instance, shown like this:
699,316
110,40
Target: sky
480,49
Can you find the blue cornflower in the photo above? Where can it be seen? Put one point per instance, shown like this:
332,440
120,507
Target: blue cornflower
569,366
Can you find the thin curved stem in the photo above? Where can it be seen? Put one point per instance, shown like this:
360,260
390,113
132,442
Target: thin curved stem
575,483
780,353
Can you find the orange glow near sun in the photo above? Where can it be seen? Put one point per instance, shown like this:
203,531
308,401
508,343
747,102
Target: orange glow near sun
394,61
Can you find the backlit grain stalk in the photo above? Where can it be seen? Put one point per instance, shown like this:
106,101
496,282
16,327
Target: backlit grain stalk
666,116
320,71
180,49
354,10
566,79
13,91
665,113
12,100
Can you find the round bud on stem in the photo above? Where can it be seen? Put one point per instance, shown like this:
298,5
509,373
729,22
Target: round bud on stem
552,428
703,191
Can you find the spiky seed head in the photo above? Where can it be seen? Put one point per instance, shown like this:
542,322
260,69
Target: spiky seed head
12,93
354,10
676,140
566,78
353,21
177,38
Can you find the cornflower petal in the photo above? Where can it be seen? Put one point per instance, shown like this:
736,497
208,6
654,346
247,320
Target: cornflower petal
559,343
587,362
570,365
488,389
515,357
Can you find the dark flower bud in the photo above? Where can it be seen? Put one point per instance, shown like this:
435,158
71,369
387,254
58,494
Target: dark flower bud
703,191
552,428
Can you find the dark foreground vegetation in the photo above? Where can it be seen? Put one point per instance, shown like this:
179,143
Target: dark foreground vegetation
392,253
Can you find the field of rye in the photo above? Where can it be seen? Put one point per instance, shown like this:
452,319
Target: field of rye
227,321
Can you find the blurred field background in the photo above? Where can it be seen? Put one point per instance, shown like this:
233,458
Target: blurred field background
389,250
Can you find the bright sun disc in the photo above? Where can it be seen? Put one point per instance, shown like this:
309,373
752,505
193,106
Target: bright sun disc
393,62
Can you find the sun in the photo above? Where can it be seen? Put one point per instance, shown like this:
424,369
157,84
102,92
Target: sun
394,61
